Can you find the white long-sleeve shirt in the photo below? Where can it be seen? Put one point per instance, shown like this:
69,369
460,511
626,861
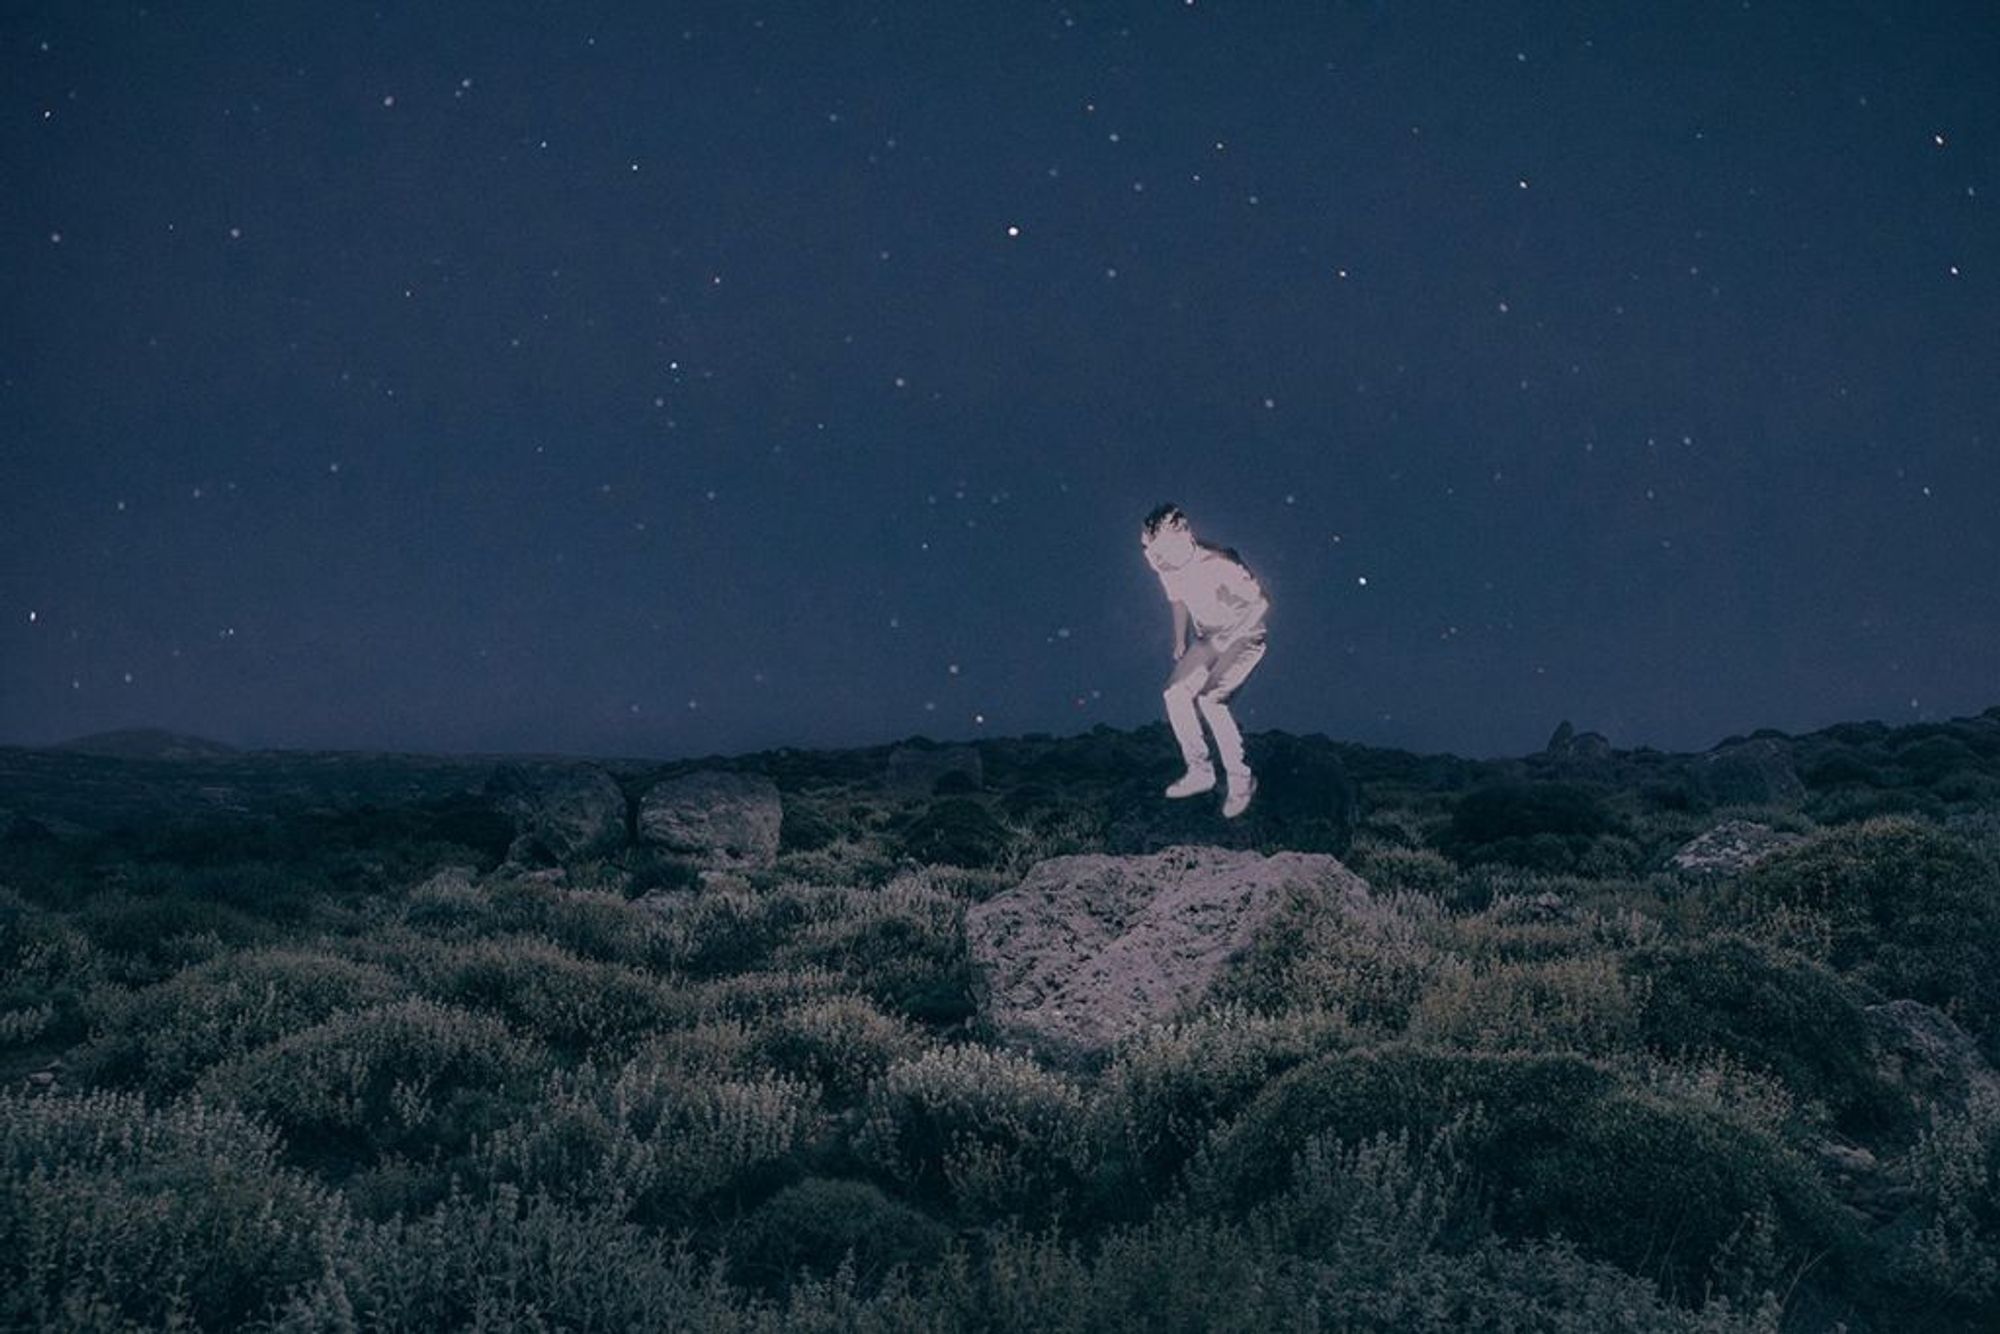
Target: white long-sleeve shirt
1224,600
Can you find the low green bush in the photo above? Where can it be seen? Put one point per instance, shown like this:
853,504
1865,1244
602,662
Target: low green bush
660,1142
804,829
1548,826
1946,1262
840,1044
1369,961
986,1131
407,1075
818,1225
180,1216
1774,1010
575,1005
1665,1188
1580,1003
957,831
149,938
903,945
505,1261
1167,1086
1914,911
162,1037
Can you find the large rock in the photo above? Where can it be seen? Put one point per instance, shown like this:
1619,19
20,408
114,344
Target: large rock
726,820
560,813
1574,754
1731,848
914,771
1089,948
1747,773
1919,1048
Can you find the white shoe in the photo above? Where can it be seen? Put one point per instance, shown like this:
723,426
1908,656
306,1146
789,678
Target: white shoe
1239,796
1192,782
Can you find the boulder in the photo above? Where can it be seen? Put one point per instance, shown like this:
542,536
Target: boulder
720,818
560,812
1752,773
1090,948
1566,743
1731,848
914,771
1920,1049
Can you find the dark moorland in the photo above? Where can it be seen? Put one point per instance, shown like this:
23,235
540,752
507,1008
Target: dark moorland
1609,1040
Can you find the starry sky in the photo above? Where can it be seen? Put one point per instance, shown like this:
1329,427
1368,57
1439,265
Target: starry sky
676,379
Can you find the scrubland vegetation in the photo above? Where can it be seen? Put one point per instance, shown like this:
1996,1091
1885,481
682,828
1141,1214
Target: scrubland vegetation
337,1074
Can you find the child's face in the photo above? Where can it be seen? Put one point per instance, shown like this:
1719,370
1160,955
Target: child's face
1170,546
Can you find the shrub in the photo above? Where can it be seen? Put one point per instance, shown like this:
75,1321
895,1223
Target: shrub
1370,961
655,869
1418,870
575,1005
954,782
803,829
1776,1012
751,996
151,933
1031,802
840,1044
408,1074
111,1212
450,905
1544,826
1167,1086
904,945
652,1138
820,1224
723,930
510,1262
1933,758
1951,1258
1844,767
957,831
985,1130
1351,1245
1357,1094
163,1037
48,970
1914,911
1663,1187
602,925
1674,1191
1576,1004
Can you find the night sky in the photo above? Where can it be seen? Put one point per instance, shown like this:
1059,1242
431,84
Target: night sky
677,379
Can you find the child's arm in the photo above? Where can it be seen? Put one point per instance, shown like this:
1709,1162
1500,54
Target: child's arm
1180,629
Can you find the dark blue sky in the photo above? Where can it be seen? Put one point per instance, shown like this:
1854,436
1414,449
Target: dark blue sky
667,379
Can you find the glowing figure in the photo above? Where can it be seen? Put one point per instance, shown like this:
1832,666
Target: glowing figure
1211,588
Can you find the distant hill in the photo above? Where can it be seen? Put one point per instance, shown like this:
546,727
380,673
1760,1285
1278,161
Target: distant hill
146,743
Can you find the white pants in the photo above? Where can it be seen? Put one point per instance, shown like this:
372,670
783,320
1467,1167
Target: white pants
1200,686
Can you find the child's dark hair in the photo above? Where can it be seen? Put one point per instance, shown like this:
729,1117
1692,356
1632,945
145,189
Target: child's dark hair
1163,515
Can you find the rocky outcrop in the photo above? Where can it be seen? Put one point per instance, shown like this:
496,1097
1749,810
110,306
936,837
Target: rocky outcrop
1747,773
1090,948
1918,1048
914,771
1569,744
719,818
1731,848
560,813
